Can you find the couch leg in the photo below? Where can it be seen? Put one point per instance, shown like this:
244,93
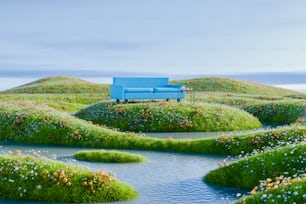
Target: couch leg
167,99
117,101
178,100
125,101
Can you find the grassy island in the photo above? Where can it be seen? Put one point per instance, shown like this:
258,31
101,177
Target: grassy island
108,156
246,173
169,117
40,179
278,175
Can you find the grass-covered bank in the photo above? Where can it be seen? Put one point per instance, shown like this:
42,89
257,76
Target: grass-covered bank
169,117
278,112
275,109
246,173
29,122
280,190
41,179
108,156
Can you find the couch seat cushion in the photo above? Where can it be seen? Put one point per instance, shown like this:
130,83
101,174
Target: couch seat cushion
138,90
165,90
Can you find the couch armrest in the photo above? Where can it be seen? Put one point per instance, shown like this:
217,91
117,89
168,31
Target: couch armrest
117,91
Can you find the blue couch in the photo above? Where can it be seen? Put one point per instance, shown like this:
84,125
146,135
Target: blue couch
145,88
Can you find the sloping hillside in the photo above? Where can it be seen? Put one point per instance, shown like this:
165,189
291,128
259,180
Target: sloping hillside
233,86
61,84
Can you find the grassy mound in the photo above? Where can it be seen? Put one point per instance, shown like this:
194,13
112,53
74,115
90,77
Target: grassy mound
60,85
282,190
29,122
63,102
233,86
259,141
108,156
24,121
41,179
246,173
278,112
167,117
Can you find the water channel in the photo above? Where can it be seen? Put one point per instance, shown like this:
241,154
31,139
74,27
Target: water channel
164,178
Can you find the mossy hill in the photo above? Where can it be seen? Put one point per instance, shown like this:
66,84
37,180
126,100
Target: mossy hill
169,117
40,179
60,85
232,86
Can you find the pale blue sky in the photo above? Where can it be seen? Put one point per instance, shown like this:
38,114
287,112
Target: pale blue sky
163,36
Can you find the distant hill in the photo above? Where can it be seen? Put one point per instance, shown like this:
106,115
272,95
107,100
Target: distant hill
60,85
233,86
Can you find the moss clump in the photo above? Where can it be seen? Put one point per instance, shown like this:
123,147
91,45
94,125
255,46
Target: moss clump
108,156
278,112
40,179
167,117
246,173
281,190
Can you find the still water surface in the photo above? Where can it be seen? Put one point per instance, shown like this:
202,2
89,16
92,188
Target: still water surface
164,178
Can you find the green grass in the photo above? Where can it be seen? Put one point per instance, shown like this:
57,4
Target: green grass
61,85
271,109
40,179
108,156
63,102
288,191
278,112
169,117
233,86
246,173
232,144
29,122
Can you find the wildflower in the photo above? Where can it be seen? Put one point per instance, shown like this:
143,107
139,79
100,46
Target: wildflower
264,196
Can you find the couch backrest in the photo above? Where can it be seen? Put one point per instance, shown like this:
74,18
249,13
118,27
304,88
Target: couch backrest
140,81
